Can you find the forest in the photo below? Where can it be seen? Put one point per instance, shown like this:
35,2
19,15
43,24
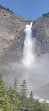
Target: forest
13,100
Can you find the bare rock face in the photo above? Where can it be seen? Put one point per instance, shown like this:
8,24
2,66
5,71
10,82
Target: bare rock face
41,33
11,30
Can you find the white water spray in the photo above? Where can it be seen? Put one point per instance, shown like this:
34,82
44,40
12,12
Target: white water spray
28,55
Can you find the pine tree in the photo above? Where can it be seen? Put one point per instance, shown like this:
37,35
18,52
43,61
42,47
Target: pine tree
2,86
23,91
31,96
2,92
23,96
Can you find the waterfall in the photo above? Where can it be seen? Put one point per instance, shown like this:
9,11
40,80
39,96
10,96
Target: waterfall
28,54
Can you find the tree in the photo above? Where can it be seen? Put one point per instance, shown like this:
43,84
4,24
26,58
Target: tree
31,96
23,91
23,96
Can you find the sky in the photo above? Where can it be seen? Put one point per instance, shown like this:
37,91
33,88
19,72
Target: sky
32,9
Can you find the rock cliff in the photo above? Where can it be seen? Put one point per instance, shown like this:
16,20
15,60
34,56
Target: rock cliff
12,34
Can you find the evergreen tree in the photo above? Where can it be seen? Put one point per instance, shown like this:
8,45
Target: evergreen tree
11,100
23,96
31,96
23,91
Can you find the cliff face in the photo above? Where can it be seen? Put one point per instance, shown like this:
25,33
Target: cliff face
41,33
11,29
12,40
12,34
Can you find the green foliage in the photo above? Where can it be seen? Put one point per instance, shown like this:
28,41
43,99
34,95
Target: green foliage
31,96
23,91
12,100
6,8
45,15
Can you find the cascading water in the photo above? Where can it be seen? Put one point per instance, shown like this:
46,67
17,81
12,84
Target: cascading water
28,55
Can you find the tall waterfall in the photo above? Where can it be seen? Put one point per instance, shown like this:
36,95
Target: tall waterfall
28,54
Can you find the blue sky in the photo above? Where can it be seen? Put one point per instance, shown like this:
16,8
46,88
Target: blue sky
32,9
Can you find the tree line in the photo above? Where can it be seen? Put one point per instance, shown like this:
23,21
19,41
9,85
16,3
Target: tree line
13,100
6,9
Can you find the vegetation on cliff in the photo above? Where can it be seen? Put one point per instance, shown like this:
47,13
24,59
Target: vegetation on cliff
45,15
5,8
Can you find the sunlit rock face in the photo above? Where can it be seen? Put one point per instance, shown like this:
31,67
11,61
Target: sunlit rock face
11,34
